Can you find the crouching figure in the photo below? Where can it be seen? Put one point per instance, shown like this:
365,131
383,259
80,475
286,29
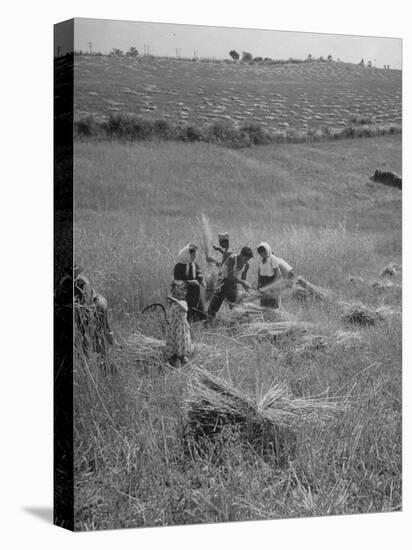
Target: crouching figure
91,315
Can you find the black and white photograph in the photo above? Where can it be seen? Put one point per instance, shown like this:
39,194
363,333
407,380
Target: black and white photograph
237,269
204,221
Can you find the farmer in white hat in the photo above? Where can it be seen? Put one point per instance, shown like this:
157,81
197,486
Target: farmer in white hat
186,269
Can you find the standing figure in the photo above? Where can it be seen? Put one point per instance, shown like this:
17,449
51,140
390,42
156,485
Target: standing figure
223,248
234,272
214,279
178,342
186,269
271,269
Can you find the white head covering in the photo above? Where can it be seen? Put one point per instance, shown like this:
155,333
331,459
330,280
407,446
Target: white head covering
267,247
184,258
184,255
266,268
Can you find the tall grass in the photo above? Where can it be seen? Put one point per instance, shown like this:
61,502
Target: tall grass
135,207
133,468
139,205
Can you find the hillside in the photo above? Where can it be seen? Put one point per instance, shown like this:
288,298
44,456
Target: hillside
300,97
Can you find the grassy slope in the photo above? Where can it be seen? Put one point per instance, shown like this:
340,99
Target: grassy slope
137,205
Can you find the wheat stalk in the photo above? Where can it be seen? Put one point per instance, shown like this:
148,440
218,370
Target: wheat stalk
207,235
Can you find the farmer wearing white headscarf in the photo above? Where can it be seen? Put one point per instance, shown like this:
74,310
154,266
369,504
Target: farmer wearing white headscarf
186,269
271,269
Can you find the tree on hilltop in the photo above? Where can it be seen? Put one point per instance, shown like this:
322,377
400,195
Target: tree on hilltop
234,55
116,51
246,57
132,52
362,62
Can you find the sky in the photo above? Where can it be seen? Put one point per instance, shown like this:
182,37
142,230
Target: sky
102,35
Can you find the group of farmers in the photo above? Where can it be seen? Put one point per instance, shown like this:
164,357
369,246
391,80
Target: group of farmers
232,274
185,300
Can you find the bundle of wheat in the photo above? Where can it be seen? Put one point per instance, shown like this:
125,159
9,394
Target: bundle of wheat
388,312
385,285
268,423
277,289
139,348
245,313
281,287
391,270
359,314
304,290
247,297
312,343
274,329
145,350
90,332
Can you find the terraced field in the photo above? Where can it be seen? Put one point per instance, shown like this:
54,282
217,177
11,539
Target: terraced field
299,97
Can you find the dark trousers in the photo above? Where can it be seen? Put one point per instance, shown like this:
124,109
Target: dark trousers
267,301
226,290
196,310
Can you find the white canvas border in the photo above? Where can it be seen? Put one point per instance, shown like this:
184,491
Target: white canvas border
26,219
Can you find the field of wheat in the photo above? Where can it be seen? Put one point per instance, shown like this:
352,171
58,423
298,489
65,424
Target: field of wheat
138,461
299,97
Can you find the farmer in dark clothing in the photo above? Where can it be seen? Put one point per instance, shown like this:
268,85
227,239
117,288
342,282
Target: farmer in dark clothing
223,248
186,269
233,273
214,279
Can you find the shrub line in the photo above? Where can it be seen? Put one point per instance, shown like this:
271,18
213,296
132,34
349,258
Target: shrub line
134,128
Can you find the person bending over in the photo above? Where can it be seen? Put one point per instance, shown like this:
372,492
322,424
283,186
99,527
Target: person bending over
234,273
270,270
